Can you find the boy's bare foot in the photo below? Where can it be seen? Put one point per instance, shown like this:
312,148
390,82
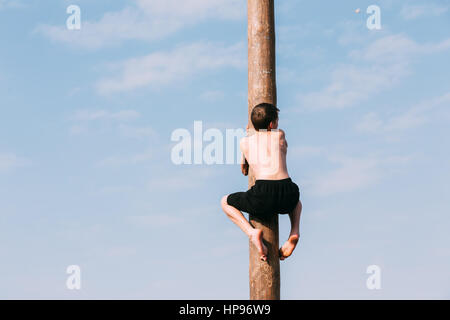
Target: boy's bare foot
289,246
256,239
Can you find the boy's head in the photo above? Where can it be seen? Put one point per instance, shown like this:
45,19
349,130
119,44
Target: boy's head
265,116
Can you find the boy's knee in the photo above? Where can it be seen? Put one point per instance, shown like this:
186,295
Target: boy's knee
224,201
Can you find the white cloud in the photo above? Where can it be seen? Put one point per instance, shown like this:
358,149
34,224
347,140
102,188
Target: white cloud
147,20
187,179
394,48
74,91
117,189
155,220
172,218
10,161
11,4
88,115
121,251
411,12
351,85
347,173
212,95
413,117
380,65
86,119
137,132
349,32
194,10
116,161
371,122
163,68
78,129
353,174
111,29
306,151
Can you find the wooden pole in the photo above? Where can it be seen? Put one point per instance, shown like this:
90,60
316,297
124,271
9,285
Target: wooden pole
264,276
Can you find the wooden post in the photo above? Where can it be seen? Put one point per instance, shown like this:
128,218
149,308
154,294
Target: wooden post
264,276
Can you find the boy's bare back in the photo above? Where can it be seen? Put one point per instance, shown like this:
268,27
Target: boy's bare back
265,152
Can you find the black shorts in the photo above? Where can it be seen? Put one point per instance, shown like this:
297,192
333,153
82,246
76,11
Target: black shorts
267,197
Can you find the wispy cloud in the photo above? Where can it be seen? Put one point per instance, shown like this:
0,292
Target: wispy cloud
92,115
11,4
173,218
414,11
163,68
194,10
413,117
345,173
187,179
379,65
84,120
351,85
145,20
137,132
134,159
212,95
353,173
154,221
10,161
306,151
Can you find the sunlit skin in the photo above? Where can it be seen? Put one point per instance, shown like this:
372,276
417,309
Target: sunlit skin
265,152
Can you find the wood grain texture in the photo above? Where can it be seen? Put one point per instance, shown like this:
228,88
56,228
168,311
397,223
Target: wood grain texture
264,276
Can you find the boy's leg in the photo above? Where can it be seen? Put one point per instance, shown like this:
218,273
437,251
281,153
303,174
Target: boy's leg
289,246
255,235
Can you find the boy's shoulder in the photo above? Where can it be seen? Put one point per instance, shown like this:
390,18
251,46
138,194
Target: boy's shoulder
244,145
244,142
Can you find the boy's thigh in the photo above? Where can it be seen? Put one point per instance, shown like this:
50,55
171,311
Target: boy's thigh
240,201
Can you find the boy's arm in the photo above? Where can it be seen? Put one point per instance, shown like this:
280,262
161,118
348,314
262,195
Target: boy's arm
244,163
283,140
244,166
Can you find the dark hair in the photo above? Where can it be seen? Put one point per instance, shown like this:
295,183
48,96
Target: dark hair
263,114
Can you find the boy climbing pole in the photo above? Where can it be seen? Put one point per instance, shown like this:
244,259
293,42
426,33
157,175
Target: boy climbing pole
264,150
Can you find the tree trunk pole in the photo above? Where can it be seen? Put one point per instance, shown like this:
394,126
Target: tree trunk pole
264,276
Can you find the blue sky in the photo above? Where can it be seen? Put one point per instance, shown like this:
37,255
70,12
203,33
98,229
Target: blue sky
86,176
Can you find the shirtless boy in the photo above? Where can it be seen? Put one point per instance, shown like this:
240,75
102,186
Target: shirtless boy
264,150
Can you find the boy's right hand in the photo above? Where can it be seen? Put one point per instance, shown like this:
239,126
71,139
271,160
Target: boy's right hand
244,168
